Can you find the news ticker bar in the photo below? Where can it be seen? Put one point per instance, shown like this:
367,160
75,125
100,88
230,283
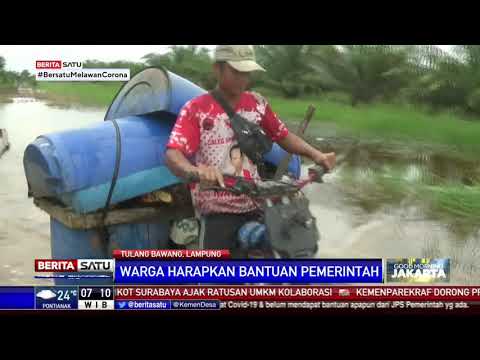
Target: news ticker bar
238,297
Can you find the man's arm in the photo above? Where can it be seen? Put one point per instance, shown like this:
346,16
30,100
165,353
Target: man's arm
184,141
290,142
296,145
180,166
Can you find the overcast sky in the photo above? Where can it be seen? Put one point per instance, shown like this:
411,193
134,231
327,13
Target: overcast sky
21,57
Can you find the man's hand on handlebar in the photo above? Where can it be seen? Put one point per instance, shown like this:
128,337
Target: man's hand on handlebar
209,176
327,160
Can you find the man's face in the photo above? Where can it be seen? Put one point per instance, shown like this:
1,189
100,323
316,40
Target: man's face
232,81
237,159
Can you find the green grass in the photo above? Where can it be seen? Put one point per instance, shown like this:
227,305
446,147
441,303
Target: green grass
390,122
379,121
374,190
84,93
450,202
461,202
7,89
454,204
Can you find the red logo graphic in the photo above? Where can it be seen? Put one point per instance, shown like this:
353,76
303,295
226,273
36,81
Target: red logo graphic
48,64
207,124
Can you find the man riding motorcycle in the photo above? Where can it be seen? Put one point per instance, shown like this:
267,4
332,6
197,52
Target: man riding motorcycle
203,138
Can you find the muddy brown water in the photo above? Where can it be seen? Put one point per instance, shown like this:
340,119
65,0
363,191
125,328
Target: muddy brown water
24,229
347,230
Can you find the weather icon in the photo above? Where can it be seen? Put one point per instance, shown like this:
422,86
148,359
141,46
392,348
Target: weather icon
46,294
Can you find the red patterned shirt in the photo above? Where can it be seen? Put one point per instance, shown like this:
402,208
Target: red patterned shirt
203,133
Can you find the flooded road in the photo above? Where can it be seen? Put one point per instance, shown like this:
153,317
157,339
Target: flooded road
25,229
356,218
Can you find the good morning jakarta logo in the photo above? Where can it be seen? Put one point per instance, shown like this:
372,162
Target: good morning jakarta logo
57,64
418,270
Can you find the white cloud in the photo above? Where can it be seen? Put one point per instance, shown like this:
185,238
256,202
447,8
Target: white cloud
46,294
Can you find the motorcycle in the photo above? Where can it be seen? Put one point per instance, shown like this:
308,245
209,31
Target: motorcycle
287,228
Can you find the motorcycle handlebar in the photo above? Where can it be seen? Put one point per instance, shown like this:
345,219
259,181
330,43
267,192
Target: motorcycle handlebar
315,174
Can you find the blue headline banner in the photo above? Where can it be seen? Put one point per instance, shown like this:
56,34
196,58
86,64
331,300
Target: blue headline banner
17,298
249,271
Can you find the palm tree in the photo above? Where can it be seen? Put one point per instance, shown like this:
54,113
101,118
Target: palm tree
451,80
192,62
154,59
289,69
366,72
134,67
25,78
2,70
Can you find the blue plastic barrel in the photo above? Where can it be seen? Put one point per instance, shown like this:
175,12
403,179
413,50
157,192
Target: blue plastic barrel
152,90
69,243
276,155
77,165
